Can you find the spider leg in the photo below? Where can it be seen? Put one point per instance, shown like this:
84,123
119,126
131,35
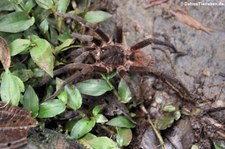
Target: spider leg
82,70
118,37
174,83
87,24
149,41
77,52
86,38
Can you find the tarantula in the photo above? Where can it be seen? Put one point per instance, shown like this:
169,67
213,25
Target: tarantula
110,55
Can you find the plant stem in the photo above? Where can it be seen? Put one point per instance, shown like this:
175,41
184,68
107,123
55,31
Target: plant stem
157,133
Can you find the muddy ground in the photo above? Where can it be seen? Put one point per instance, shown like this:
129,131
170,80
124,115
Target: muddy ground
201,69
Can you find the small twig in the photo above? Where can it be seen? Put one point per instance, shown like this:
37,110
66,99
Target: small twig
158,135
154,2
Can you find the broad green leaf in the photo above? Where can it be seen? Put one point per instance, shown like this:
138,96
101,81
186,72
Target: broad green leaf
74,97
121,121
42,54
18,46
93,87
62,5
177,115
4,53
46,4
53,35
96,16
6,5
169,108
31,101
69,125
19,82
16,1
124,92
102,143
38,72
51,108
23,74
10,90
123,136
15,22
44,26
62,37
164,122
99,118
63,46
84,140
96,110
63,95
29,5
82,127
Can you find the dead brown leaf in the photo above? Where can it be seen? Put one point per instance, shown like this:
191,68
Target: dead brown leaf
183,16
4,53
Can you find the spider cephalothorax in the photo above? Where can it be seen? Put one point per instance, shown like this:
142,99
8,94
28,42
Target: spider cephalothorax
110,54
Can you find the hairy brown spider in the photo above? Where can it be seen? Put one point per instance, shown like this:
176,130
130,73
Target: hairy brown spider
110,55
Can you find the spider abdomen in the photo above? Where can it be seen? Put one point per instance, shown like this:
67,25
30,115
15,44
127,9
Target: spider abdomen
112,56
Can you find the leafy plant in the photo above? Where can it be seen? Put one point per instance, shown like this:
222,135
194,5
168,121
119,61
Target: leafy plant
32,36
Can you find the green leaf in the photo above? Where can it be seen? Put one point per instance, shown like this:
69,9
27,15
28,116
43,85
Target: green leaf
164,122
23,74
18,46
96,110
62,5
38,72
218,146
93,87
29,5
74,97
169,108
96,16
51,108
42,54
44,26
63,95
31,101
121,121
102,143
63,46
19,82
177,115
15,22
82,127
124,92
46,4
6,6
10,90
123,136
111,75
85,140
100,119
